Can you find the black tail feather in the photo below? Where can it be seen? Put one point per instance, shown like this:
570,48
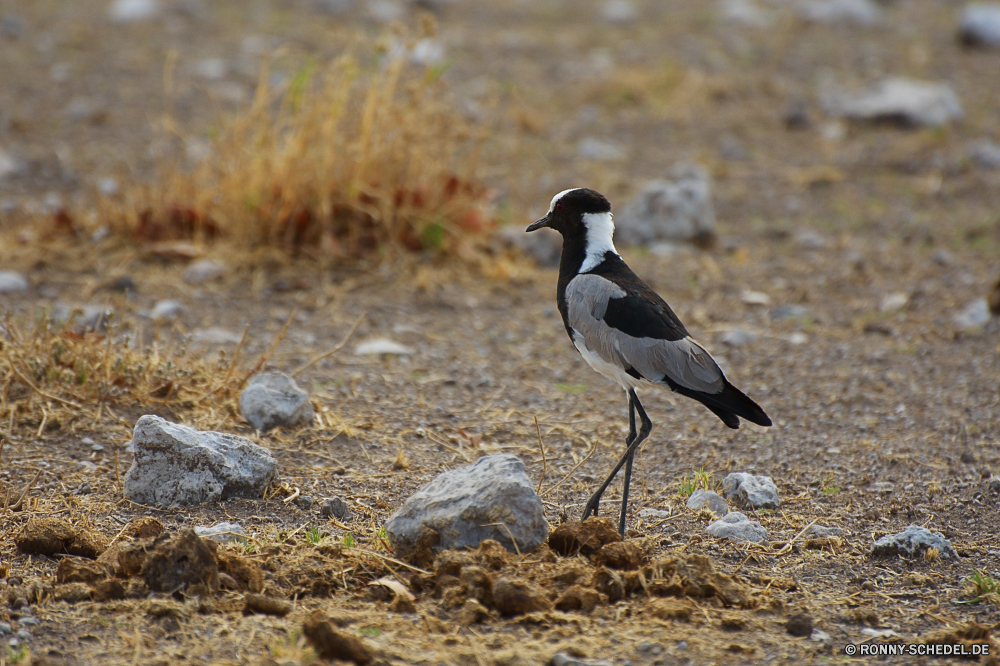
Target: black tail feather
728,404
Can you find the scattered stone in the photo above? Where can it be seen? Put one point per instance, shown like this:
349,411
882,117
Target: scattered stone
544,245
5,628
305,501
995,486
911,542
601,150
330,643
677,209
651,515
798,338
564,659
980,24
787,312
883,487
274,400
745,13
491,499
799,625
820,636
176,464
758,492
738,337
211,69
203,270
619,11
12,26
86,466
11,282
428,52
755,297
85,109
107,186
901,100
181,562
975,315
858,12
822,532
810,239
9,165
222,532
986,153
131,11
166,311
259,603
894,301
382,346
701,499
336,508
737,527
84,318
215,336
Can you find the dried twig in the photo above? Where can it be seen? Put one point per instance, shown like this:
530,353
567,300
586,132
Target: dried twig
585,459
388,559
507,529
266,356
232,365
16,506
541,448
43,393
337,348
788,546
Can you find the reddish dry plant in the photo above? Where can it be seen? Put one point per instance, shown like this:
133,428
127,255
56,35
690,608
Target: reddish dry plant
343,161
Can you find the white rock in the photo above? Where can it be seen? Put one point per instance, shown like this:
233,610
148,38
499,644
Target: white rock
810,239
758,492
602,150
107,186
222,532
619,11
86,466
12,283
975,315
273,400
745,13
130,11
382,346
737,527
84,317
738,337
167,311
894,301
203,270
912,542
701,499
755,298
9,165
985,152
859,12
214,335
903,100
428,52
981,24
679,209
175,464
798,338
466,504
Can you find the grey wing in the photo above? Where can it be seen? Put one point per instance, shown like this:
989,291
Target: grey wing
684,361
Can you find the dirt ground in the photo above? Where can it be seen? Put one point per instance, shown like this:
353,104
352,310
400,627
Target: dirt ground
860,394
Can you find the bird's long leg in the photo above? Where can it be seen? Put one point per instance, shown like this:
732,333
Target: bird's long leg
595,499
646,427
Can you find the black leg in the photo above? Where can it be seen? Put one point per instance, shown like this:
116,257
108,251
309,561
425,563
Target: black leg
632,444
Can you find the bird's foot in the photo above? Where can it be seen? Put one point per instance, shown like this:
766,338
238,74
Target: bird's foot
591,508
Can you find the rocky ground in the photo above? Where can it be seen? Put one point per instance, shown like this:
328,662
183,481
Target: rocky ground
844,293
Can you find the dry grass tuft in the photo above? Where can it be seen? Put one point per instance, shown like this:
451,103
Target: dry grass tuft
343,161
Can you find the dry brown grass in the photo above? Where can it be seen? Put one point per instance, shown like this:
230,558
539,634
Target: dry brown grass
344,160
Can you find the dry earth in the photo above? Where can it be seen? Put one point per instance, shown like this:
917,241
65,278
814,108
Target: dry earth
859,395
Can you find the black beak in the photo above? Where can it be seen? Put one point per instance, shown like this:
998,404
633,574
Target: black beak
538,224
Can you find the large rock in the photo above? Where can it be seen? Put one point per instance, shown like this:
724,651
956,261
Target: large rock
175,464
911,542
981,24
905,101
756,492
737,527
701,499
675,209
273,400
466,506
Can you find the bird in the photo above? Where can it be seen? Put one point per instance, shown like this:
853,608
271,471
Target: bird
625,331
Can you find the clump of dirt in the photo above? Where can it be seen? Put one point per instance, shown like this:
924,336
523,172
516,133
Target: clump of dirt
75,571
48,536
586,538
181,562
259,603
513,596
331,643
145,528
968,634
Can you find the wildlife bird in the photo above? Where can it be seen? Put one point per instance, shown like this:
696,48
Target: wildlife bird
625,331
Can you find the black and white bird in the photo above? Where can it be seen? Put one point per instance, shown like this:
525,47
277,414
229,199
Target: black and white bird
625,331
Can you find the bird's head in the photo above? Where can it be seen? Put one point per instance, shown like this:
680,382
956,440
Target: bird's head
577,213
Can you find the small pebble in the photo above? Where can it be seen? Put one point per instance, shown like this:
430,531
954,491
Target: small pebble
335,507
29,621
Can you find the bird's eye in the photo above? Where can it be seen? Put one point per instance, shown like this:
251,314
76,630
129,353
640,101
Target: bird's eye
559,208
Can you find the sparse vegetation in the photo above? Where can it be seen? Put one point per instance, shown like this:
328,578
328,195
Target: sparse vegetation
982,587
700,479
314,535
349,540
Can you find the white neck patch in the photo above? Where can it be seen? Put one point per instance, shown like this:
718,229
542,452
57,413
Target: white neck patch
552,204
600,230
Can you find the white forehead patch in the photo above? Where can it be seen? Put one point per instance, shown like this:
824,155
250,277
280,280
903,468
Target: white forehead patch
552,206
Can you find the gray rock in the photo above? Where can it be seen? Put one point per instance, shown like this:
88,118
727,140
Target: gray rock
858,12
305,501
544,245
975,315
427,52
203,270
83,317
166,311
810,239
980,24
986,153
382,346
701,499
86,467
649,514
222,532
175,464
274,400
786,312
212,69
131,11
738,337
107,186
758,492
12,283
336,508
214,336
883,487
5,628
566,659
911,542
619,11
12,26
676,209
737,527
601,150
466,506
9,165
822,532
745,13
29,621
906,101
